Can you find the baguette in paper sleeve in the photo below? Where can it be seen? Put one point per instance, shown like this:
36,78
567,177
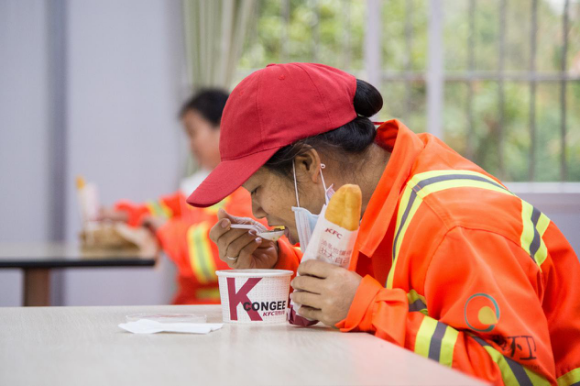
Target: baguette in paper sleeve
344,207
334,235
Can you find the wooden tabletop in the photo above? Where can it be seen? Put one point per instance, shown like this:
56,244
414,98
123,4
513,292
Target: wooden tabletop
84,346
66,255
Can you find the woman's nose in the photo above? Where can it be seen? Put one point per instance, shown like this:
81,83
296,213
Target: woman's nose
257,210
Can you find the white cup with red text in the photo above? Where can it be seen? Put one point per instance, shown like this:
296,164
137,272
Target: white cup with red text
254,295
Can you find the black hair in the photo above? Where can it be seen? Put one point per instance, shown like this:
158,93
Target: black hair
350,139
209,103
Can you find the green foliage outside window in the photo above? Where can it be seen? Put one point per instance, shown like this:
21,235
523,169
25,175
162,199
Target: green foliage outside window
332,32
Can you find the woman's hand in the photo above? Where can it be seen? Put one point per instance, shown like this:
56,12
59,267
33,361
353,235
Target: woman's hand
242,248
324,291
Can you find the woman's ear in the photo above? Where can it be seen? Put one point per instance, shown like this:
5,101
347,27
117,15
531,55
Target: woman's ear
308,165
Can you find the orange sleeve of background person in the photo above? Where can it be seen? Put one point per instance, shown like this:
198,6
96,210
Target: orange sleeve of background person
167,206
186,241
503,314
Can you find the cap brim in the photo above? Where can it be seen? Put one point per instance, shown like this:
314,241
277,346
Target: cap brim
227,177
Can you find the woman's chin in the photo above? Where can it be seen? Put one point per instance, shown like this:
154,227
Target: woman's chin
289,236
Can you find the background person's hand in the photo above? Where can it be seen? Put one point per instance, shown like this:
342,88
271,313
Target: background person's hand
153,223
143,238
110,214
324,291
242,248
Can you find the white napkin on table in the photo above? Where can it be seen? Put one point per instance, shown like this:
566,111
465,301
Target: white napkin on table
146,326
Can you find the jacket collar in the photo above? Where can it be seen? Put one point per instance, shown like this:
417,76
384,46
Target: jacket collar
405,147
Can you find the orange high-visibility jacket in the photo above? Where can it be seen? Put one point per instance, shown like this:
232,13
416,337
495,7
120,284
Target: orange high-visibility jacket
185,239
458,269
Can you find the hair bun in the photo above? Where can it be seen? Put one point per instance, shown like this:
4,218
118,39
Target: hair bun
367,99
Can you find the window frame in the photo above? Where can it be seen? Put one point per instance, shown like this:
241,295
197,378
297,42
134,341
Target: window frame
436,78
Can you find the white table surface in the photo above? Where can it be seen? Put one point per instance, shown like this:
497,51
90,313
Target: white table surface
68,255
84,346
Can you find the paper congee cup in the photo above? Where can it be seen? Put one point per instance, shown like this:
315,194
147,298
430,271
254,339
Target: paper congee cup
254,295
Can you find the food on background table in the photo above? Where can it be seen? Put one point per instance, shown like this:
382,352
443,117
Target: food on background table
98,236
88,200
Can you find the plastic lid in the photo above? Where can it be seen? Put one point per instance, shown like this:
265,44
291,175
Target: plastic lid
254,273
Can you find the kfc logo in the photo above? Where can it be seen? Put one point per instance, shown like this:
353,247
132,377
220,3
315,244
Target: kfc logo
333,232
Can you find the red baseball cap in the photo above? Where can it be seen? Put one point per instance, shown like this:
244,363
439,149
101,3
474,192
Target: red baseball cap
272,108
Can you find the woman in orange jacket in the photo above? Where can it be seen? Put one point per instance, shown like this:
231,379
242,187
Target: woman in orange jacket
448,262
182,230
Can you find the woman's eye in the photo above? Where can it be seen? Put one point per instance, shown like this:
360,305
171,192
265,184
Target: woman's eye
253,191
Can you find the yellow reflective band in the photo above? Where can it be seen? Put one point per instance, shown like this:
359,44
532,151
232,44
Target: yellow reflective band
436,173
448,346
536,379
399,241
528,227
159,209
417,303
152,208
167,212
512,372
444,185
534,226
424,335
570,378
207,294
506,372
200,255
413,296
216,207
423,184
542,253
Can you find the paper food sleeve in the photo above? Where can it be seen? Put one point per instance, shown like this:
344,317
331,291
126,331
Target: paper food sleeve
329,243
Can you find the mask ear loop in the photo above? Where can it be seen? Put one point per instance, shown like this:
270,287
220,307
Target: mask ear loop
295,184
322,166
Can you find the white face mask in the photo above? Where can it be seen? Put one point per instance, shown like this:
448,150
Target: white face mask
305,220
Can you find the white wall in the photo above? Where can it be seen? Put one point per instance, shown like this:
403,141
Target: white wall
23,131
125,66
569,224
563,210
124,87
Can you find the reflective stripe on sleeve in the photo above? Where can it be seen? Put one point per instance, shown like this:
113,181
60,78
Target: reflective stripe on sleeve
200,255
417,302
436,341
512,372
571,378
159,209
422,185
534,224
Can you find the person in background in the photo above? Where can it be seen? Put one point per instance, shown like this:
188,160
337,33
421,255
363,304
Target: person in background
182,230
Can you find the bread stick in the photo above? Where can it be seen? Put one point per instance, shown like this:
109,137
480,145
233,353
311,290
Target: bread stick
345,206
334,237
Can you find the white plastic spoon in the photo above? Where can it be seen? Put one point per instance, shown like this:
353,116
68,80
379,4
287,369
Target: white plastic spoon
272,235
